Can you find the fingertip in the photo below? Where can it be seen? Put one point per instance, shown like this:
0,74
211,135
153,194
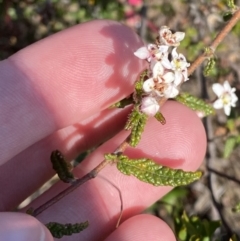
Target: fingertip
22,227
65,79
142,227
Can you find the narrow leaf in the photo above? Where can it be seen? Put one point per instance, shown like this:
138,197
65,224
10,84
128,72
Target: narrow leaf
139,83
148,171
209,67
159,116
62,167
229,146
195,103
59,230
136,123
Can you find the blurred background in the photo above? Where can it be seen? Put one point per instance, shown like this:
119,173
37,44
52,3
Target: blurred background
23,22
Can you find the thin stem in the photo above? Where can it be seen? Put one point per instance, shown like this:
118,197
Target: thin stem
216,42
78,182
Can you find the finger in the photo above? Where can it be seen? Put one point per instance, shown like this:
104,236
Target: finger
142,227
63,79
22,227
181,143
28,171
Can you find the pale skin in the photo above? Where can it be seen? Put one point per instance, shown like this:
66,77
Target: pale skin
67,81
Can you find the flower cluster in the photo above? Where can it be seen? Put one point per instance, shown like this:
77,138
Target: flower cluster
226,97
167,71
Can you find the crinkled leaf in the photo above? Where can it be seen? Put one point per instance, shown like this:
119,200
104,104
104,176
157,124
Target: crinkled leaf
229,146
62,167
159,116
139,84
136,123
195,103
209,66
148,171
123,103
59,230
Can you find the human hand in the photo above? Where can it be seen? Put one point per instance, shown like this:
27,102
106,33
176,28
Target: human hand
55,94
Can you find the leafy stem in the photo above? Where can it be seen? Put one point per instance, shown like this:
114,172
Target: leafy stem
80,181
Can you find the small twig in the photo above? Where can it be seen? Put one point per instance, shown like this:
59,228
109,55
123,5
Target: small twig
78,182
216,42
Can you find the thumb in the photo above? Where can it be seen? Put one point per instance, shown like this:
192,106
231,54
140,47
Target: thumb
22,227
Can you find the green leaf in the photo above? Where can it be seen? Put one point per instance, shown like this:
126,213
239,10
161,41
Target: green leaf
236,209
182,235
136,123
59,230
148,171
209,67
159,116
230,4
123,103
210,226
229,146
196,228
62,167
195,104
139,84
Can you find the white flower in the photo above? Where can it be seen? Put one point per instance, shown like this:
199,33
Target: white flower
149,106
179,65
226,97
179,61
166,37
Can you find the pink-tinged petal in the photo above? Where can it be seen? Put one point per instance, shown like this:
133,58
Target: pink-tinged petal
218,104
152,47
148,85
168,77
149,106
142,53
218,89
164,30
179,36
227,109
